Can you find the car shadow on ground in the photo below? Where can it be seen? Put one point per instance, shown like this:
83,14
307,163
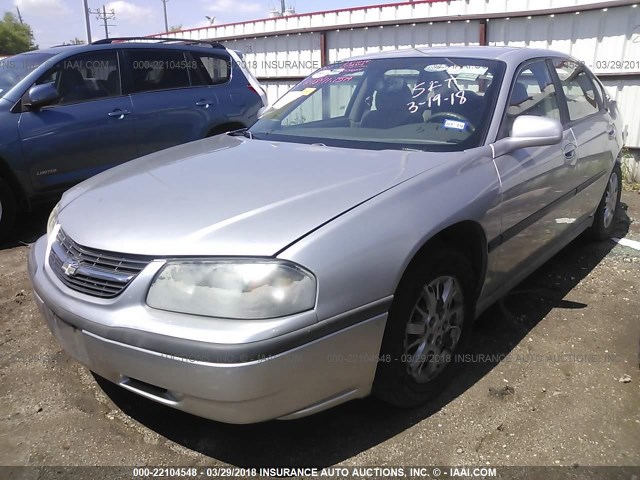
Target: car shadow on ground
342,432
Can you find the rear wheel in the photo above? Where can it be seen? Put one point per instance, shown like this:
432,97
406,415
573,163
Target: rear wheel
7,209
428,323
604,218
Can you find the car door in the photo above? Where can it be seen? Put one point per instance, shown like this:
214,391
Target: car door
87,130
169,110
537,182
593,128
234,100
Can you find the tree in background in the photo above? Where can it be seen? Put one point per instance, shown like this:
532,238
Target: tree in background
15,37
175,28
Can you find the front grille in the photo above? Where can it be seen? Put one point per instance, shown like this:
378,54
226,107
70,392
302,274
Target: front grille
93,272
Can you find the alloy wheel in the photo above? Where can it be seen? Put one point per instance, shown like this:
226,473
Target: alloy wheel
611,200
434,328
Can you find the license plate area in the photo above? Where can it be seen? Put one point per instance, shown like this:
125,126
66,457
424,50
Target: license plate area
70,338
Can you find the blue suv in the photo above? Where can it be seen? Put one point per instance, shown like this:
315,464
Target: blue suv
70,112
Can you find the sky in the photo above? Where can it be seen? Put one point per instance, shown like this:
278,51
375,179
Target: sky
58,21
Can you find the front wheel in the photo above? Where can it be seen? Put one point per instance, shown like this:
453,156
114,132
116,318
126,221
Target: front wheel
603,221
428,323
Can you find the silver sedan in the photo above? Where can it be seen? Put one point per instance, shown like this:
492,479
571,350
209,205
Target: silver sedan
341,246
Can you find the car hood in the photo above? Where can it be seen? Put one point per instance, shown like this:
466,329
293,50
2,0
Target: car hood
229,196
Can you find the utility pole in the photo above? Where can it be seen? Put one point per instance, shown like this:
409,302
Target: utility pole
19,15
166,22
87,24
282,7
105,17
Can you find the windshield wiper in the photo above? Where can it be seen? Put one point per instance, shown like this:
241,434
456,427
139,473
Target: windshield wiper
243,131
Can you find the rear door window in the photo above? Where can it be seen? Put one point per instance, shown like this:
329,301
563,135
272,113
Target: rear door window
153,70
209,69
579,89
604,97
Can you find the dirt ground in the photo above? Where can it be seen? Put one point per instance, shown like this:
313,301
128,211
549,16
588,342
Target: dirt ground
552,379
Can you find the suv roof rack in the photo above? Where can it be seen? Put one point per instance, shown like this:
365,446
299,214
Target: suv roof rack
106,41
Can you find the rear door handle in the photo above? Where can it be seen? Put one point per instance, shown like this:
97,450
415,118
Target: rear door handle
204,103
118,113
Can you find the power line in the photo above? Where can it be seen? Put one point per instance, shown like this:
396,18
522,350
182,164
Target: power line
105,16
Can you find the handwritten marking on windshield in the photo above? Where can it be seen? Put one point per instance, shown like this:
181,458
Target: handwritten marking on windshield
438,99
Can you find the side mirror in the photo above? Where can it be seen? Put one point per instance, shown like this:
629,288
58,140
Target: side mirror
529,131
41,95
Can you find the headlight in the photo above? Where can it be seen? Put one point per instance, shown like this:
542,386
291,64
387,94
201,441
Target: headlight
53,219
239,289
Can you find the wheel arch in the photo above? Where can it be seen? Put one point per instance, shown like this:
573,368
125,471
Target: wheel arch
469,238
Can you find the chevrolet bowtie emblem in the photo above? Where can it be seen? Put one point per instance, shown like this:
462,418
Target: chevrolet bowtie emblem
70,269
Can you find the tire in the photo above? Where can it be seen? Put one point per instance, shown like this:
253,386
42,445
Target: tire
604,218
7,209
418,347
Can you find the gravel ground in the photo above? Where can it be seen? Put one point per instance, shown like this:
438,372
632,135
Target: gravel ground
552,379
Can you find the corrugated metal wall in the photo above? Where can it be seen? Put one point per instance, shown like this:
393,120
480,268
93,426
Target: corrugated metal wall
607,41
281,56
418,11
627,94
281,51
351,42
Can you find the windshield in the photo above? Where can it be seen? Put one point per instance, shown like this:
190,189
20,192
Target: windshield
426,103
13,69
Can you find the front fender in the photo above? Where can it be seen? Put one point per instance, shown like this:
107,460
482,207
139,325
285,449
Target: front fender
361,256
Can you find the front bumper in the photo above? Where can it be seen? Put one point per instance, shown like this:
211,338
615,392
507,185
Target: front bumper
289,375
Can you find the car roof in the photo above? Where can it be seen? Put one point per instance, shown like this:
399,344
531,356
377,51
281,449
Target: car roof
506,54
50,50
126,44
